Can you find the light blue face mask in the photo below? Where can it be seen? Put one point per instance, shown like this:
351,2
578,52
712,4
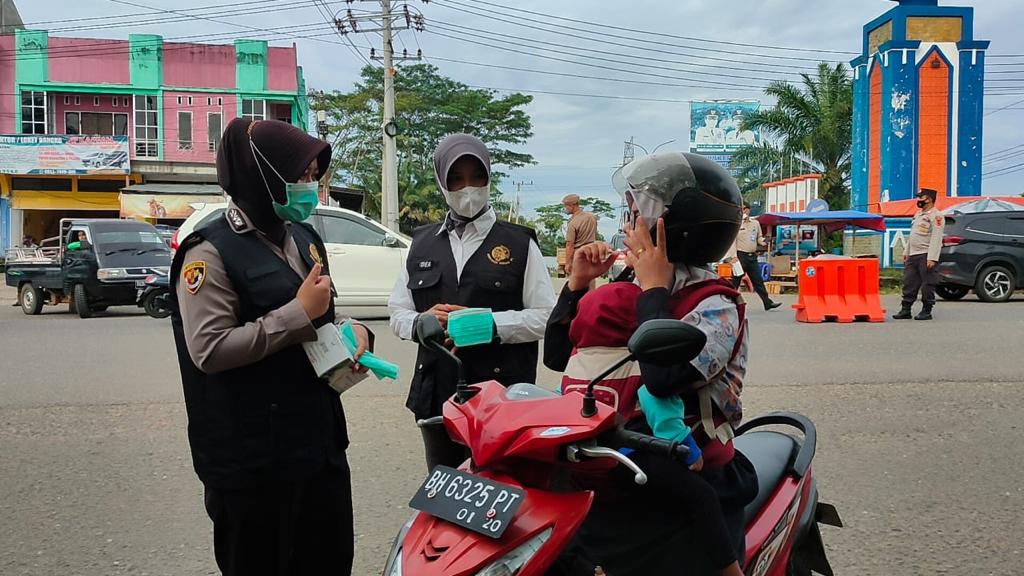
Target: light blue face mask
301,197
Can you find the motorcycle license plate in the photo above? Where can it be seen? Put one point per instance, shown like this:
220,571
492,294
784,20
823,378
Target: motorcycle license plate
475,503
140,283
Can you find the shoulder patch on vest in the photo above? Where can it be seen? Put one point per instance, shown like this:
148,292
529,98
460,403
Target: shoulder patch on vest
500,255
194,274
236,220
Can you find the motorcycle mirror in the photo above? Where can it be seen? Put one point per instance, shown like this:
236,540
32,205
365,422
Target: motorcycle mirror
429,330
666,342
430,334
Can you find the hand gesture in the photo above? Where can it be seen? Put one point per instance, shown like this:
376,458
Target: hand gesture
362,344
441,311
589,262
315,293
649,260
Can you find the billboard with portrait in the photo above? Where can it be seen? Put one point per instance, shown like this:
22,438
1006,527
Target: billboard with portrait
716,125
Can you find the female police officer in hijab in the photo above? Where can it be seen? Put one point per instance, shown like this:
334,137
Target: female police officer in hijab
267,435
472,260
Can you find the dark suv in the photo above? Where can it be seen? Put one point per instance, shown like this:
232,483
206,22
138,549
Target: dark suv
983,252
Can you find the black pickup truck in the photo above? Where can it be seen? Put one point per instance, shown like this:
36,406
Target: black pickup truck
95,263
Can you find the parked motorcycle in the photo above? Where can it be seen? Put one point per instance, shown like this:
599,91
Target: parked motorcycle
503,513
152,295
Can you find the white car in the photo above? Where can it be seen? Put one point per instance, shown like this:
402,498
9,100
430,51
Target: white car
365,257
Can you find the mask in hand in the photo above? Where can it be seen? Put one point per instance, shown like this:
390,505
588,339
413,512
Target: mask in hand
301,198
469,201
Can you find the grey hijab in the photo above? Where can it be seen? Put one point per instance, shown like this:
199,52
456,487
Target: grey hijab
453,147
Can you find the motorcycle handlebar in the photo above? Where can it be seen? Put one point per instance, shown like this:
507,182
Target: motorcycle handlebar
622,438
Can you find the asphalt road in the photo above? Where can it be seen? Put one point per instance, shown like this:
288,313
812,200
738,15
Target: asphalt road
919,441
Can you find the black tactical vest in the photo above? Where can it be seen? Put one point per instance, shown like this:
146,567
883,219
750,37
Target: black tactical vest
273,417
492,278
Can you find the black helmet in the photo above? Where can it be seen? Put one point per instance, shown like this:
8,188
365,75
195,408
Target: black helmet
698,199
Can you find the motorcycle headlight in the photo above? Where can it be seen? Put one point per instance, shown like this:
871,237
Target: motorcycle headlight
111,273
511,563
396,568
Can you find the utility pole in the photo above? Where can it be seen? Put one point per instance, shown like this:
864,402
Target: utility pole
514,206
388,22
628,153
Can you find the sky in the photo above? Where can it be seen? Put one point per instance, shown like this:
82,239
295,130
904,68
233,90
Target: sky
648,73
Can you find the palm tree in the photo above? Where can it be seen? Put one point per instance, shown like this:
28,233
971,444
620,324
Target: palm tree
809,127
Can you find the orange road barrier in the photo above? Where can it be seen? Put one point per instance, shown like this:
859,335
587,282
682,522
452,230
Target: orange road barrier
839,290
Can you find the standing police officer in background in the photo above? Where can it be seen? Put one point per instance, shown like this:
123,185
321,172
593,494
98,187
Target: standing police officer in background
921,257
472,260
268,436
748,241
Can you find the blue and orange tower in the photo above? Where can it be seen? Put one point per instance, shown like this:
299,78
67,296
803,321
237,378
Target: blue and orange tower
918,105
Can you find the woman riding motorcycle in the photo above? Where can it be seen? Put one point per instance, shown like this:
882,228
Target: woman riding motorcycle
697,209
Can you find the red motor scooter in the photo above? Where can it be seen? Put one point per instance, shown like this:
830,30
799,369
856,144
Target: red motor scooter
504,512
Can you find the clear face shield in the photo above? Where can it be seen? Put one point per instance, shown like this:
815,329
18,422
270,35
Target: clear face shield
649,184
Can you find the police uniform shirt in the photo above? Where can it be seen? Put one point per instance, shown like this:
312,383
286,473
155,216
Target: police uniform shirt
514,326
749,238
926,234
210,307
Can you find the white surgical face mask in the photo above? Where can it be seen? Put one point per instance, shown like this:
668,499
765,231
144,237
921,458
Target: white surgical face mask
469,201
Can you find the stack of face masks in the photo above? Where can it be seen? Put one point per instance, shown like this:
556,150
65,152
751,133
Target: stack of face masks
381,368
471,326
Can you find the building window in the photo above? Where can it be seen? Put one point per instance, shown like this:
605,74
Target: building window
67,100
78,100
179,100
254,109
33,112
113,101
96,123
209,101
214,122
125,102
96,101
220,101
72,123
146,123
189,100
184,130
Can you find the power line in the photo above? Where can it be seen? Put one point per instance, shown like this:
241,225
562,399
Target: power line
702,52
644,58
605,26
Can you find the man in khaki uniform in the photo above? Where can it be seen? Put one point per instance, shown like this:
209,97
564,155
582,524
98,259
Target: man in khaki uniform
921,257
582,228
748,241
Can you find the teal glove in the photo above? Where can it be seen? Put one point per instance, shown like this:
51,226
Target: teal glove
471,327
665,417
381,368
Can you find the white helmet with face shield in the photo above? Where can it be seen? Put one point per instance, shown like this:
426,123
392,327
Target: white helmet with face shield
699,201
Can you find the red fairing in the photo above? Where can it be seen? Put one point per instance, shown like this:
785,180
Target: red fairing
436,547
770,535
495,428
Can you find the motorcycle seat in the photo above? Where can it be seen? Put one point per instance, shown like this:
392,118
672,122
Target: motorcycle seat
771,454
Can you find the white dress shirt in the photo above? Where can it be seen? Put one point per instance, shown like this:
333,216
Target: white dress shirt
514,326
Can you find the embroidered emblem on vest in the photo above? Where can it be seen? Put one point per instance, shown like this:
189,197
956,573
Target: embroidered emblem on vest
500,255
426,265
236,220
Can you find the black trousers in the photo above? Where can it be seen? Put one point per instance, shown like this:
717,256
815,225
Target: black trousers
753,269
917,277
660,529
439,448
285,526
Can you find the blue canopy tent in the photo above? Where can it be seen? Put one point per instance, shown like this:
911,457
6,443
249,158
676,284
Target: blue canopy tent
828,220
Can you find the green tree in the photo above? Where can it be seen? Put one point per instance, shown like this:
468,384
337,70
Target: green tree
809,128
428,107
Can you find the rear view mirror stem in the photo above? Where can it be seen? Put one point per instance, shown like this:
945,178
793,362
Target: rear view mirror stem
589,401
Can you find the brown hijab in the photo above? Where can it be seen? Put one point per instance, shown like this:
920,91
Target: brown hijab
286,149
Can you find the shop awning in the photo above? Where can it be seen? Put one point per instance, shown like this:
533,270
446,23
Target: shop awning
831,220
45,200
167,200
